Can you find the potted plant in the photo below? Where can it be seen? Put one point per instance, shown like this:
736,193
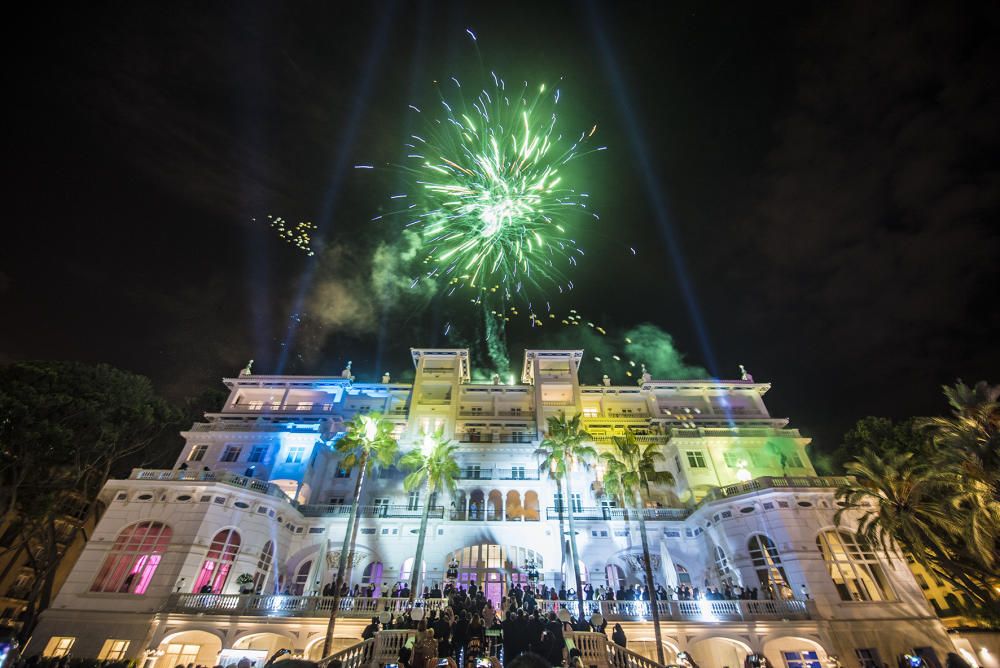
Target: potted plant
245,581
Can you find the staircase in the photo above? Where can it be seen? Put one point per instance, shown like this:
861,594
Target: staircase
595,649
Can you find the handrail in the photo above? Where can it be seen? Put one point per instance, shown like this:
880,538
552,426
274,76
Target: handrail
344,511
281,605
771,482
224,477
596,650
624,514
320,606
355,656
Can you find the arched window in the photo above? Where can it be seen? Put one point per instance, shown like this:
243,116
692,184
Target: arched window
767,563
372,575
264,562
615,576
218,561
302,578
133,558
722,569
854,568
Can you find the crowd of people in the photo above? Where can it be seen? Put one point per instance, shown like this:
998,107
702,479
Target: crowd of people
682,592
470,627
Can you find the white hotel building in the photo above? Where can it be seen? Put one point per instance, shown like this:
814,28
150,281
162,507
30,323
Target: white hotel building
748,509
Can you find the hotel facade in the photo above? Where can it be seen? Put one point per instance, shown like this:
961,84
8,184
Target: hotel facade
227,553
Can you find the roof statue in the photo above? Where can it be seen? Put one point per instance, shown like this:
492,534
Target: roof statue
346,373
745,375
245,371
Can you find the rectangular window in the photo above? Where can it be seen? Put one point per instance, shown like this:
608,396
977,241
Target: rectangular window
517,473
589,412
760,459
696,459
113,650
337,501
257,454
413,500
868,657
295,455
803,659
474,471
577,503
59,646
342,472
181,655
255,405
197,453
793,461
304,406
231,453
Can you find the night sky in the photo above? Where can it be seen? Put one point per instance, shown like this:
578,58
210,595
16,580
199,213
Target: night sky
828,174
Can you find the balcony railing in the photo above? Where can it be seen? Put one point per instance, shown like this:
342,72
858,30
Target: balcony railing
278,605
619,514
320,606
466,437
223,477
491,473
772,482
344,511
491,515
491,413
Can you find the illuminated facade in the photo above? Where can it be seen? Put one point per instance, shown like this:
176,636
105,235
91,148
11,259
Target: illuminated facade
258,502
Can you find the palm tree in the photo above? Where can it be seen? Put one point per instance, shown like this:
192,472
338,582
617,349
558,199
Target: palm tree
974,425
563,447
943,517
630,469
368,445
433,467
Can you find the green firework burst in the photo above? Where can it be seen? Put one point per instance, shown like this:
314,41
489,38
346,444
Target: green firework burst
488,196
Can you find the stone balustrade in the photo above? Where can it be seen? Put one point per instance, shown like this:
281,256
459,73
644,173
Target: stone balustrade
319,606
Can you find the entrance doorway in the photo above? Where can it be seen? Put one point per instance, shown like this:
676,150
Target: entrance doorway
494,568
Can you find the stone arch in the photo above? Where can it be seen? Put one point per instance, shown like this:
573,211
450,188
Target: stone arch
248,637
513,507
477,505
774,646
494,505
190,645
531,508
267,641
645,645
719,650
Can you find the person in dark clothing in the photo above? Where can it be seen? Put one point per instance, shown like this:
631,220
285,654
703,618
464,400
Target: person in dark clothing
510,634
370,630
618,636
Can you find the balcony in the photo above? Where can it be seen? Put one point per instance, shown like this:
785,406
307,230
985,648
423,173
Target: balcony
491,473
488,515
527,414
288,606
619,514
343,511
261,605
223,477
776,482
473,437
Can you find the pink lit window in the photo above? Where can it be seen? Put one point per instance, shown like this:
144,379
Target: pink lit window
130,564
218,561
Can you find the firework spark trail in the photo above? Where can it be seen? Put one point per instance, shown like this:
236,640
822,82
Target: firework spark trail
487,195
